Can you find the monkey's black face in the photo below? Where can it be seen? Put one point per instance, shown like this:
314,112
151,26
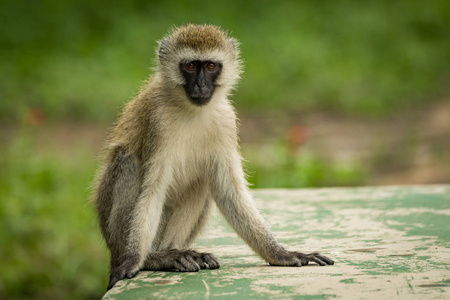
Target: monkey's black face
200,78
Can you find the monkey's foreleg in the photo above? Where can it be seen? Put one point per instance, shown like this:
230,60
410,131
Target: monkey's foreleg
233,199
117,192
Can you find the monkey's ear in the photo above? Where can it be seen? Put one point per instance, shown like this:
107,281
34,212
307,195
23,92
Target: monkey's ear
235,46
163,49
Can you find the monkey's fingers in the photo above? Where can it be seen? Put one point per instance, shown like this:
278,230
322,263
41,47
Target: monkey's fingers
212,262
178,266
187,265
319,259
324,258
201,258
200,262
314,257
193,264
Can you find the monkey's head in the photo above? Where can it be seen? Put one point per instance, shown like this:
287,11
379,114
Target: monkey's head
200,59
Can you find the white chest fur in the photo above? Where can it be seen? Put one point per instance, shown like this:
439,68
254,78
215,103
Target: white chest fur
190,141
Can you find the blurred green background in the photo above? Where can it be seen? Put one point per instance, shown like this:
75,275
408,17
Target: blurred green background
335,93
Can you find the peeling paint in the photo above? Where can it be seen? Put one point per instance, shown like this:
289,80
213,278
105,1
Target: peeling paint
387,242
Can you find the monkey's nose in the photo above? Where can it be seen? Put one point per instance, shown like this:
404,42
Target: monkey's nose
201,86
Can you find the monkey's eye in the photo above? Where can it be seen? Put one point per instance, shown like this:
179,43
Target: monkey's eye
211,66
190,65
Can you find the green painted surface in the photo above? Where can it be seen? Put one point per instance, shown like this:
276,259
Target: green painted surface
391,242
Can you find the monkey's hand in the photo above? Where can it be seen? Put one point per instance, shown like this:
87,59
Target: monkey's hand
298,259
127,269
180,261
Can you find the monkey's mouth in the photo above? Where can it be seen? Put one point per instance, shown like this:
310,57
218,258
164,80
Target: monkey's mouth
199,100
199,95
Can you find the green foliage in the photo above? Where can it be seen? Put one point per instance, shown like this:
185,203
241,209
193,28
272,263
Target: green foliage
84,59
51,246
276,168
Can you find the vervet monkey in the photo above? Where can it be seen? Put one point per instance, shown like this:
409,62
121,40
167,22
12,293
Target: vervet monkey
172,153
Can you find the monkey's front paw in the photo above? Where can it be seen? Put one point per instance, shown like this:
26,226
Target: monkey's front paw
125,270
298,259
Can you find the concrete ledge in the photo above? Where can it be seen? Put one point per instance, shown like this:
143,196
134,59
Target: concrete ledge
387,242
